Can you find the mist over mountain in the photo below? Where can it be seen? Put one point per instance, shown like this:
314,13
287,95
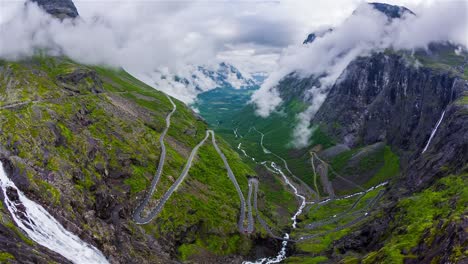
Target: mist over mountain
371,28
190,81
253,132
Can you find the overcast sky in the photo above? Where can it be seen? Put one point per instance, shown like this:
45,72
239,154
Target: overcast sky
256,36
251,34
152,33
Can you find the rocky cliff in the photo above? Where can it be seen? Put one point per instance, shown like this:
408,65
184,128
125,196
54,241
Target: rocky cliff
58,8
416,105
383,98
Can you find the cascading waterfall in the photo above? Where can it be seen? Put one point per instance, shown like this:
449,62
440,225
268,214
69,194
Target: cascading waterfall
41,227
282,253
433,132
296,192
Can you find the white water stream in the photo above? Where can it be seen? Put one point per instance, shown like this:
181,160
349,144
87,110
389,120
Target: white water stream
433,132
41,227
282,253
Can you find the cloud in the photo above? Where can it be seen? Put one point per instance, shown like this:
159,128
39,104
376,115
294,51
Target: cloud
365,31
174,36
144,36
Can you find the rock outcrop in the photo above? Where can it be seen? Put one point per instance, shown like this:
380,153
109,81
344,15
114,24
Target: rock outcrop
58,8
385,98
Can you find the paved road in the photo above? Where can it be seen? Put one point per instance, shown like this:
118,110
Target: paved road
322,171
137,216
336,174
336,217
262,222
234,181
250,225
361,214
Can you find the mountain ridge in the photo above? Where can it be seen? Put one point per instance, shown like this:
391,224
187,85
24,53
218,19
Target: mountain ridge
58,8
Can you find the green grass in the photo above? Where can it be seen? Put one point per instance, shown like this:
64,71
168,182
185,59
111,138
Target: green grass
109,144
341,160
383,163
330,228
139,180
463,100
390,168
420,216
320,138
19,233
5,256
306,260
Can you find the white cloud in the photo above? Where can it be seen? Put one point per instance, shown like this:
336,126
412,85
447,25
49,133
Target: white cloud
143,36
367,30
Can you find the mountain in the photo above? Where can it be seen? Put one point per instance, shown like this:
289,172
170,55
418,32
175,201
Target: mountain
58,8
391,11
83,142
190,81
98,167
226,75
393,117
312,36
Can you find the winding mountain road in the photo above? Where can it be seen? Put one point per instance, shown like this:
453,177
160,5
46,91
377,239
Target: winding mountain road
137,216
262,222
361,214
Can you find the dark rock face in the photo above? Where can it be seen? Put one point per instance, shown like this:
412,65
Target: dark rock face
383,98
312,36
58,8
447,153
391,11
81,80
440,247
292,87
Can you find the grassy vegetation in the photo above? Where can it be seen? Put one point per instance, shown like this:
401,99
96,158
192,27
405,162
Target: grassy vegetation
463,100
107,143
5,256
339,162
382,164
277,127
441,57
220,105
390,168
306,260
420,217
331,217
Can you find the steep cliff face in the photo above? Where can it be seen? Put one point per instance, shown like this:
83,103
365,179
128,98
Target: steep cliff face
421,111
385,98
411,106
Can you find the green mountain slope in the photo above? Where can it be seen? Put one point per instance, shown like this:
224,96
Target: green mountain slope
83,141
384,132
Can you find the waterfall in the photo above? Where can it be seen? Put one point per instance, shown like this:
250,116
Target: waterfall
41,227
282,253
433,132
